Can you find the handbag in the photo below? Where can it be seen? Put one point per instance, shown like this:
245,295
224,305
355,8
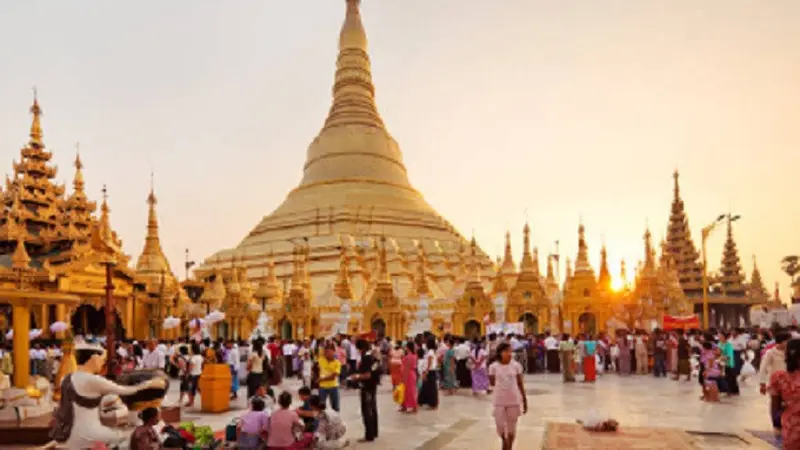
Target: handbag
399,393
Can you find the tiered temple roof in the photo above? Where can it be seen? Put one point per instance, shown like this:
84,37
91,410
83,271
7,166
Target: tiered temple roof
681,246
38,225
758,290
731,277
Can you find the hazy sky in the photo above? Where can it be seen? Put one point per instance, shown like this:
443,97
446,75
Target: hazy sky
568,110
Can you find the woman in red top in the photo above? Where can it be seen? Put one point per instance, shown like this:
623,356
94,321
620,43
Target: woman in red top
785,391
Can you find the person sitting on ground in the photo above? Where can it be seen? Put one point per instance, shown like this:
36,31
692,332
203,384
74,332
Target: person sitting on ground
252,427
305,412
331,430
284,424
144,437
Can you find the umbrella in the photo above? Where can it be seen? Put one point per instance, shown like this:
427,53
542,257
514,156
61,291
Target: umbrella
59,326
171,322
35,333
215,316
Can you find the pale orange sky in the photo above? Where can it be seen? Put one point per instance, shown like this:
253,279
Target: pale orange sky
564,109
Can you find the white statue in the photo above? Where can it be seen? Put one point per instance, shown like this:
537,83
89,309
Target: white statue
261,330
77,419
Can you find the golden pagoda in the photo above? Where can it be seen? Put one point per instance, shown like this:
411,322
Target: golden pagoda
681,246
354,188
586,305
160,294
527,300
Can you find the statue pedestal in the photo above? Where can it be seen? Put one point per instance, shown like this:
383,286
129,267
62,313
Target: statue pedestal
215,388
21,404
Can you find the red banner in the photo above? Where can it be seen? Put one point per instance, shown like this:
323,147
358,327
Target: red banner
683,322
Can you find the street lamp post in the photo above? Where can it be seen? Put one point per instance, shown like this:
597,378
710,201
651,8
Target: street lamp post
706,232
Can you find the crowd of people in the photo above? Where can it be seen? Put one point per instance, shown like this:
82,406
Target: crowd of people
422,368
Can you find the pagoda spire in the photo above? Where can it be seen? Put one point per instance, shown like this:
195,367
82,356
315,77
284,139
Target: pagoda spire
353,91
342,287
526,264
36,123
604,277
535,258
152,260
623,273
508,258
758,291
77,181
733,281
649,252
681,247
582,260
105,218
474,267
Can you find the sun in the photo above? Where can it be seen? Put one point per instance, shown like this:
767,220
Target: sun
617,284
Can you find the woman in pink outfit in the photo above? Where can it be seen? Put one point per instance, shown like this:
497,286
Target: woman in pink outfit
409,372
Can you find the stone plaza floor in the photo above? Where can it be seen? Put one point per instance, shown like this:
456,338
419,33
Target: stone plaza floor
465,422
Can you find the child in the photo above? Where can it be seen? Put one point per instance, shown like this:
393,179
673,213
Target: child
253,425
305,412
144,437
748,370
283,424
331,429
505,376
712,373
305,369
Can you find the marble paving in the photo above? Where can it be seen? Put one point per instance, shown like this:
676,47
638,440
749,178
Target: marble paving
465,422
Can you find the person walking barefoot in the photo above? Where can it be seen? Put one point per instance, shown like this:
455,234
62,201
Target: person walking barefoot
510,401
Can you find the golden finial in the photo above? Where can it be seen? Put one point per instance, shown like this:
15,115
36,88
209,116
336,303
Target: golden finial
676,185
36,125
78,163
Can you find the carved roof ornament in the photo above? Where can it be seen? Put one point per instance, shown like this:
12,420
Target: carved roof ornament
20,259
342,287
233,285
732,277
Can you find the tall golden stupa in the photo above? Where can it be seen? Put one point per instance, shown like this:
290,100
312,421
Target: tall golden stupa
354,192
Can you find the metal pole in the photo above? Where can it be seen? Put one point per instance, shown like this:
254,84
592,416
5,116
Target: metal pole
704,237
111,345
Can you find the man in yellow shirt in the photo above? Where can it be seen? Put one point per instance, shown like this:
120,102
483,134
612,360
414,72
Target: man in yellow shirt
329,370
